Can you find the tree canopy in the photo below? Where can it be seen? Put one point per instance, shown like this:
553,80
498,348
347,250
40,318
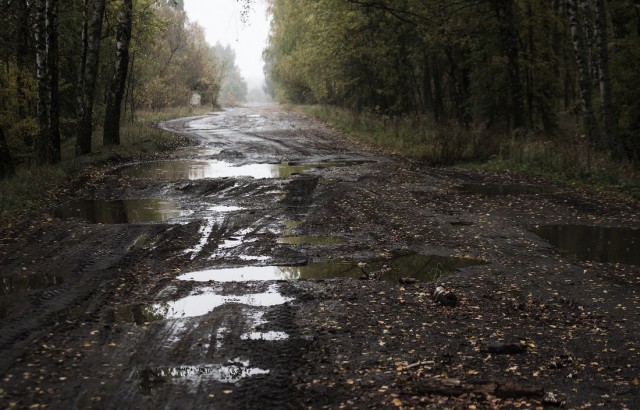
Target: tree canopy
67,69
503,64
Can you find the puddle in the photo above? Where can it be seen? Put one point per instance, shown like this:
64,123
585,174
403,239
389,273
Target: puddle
271,336
154,378
312,240
195,169
18,284
290,227
503,189
420,267
198,152
224,209
121,211
594,243
199,303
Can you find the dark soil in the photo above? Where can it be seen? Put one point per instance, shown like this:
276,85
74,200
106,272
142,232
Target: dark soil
95,315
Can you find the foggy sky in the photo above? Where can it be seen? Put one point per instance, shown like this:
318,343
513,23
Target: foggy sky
221,21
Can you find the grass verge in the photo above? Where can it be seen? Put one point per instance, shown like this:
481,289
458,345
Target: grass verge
560,158
33,186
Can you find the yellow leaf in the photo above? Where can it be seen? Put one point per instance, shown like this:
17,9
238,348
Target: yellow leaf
112,344
472,372
349,381
87,344
636,381
397,402
227,391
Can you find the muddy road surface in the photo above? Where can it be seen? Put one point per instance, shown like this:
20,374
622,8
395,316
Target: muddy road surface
276,263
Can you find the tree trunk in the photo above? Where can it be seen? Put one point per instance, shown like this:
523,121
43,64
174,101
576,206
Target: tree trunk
509,36
87,75
118,82
6,162
22,38
48,142
582,62
604,79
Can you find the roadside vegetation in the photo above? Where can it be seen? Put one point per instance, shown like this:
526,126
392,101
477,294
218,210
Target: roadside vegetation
558,157
545,87
84,83
33,186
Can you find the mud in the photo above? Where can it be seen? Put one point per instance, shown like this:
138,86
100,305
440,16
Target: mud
97,314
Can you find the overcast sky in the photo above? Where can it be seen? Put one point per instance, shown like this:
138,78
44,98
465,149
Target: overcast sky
221,20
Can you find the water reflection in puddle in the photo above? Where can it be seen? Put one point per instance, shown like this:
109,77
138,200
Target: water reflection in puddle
154,378
18,284
503,189
199,303
121,211
594,243
312,240
267,336
420,267
195,169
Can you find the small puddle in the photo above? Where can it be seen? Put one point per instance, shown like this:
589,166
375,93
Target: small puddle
19,284
195,169
419,267
594,243
271,336
198,303
312,240
232,373
503,189
121,211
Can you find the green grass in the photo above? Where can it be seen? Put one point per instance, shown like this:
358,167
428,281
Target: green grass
33,186
560,158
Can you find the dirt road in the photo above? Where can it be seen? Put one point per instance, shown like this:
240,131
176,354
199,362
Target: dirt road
275,263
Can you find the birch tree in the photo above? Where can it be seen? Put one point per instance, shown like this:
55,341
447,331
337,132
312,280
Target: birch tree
48,141
584,79
116,89
90,53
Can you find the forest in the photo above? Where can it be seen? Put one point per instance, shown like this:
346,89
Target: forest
514,68
71,72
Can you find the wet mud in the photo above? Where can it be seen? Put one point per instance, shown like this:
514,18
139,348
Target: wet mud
276,263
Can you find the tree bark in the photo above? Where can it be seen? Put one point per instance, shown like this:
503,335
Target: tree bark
118,82
604,79
22,38
7,168
582,62
509,36
91,33
48,142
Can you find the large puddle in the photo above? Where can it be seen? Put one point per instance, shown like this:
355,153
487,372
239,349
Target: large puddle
195,169
198,303
18,284
503,189
121,211
594,243
416,266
